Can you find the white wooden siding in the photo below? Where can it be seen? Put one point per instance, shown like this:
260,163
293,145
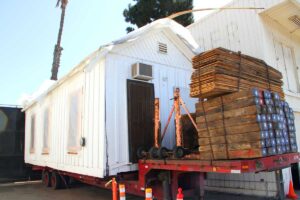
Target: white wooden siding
104,106
94,116
88,161
169,71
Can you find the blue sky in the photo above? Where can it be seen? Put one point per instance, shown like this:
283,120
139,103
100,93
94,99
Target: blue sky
29,31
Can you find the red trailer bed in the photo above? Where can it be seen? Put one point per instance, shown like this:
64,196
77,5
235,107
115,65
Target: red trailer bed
270,163
165,176
179,167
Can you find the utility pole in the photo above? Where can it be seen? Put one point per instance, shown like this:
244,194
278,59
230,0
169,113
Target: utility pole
58,49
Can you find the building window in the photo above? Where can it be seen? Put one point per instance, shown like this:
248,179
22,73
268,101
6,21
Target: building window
32,134
75,112
46,131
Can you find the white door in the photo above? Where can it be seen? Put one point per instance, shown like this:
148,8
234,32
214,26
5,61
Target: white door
286,65
290,68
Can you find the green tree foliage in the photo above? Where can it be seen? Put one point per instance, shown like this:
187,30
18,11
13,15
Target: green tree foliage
146,11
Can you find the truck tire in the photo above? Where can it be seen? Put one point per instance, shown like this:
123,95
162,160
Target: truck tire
46,178
56,181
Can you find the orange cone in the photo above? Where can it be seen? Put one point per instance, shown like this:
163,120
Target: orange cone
291,194
148,194
122,192
179,194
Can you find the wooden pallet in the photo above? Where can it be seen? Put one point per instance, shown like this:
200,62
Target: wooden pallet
221,71
244,124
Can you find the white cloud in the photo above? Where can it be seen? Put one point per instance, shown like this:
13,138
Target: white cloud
207,4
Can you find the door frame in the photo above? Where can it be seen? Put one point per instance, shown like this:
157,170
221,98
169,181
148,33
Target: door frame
129,120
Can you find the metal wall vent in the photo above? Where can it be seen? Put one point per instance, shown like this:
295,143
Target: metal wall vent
295,19
162,48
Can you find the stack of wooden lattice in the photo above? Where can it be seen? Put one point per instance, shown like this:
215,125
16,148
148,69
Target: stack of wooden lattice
246,124
220,71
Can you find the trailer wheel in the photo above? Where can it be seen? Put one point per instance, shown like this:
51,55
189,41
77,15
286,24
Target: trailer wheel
163,152
153,152
46,178
141,153
65,181
56,181
179,152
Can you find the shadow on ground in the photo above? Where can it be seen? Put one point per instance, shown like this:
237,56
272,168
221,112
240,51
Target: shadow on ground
37,191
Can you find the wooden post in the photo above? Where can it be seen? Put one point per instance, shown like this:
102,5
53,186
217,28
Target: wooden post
168,122
178,117
156,122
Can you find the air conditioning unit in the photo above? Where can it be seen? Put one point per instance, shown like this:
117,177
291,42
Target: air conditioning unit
141,71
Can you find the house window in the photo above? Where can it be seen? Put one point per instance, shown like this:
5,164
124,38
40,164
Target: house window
32,133
75,111
46,131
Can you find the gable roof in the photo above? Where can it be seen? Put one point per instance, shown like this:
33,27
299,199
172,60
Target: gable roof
178,34
169,25
268,5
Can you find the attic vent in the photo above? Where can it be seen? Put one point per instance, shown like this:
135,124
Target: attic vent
295,19
162,48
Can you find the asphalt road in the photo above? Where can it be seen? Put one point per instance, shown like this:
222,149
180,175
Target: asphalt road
37,191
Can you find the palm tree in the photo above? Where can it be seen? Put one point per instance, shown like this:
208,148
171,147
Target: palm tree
58,49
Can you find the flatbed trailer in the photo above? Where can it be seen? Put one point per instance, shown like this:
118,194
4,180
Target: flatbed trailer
165,176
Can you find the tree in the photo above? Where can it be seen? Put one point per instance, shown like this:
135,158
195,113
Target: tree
147,11
58,49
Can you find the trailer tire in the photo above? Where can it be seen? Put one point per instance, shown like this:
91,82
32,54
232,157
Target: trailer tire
46,178
141,153
56,181
153,153
65,181
179,152
162,152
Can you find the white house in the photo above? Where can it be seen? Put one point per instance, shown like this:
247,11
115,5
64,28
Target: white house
92,120
273,35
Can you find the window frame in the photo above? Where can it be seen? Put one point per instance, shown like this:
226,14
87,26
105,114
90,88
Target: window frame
46,150
74,149
32,133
